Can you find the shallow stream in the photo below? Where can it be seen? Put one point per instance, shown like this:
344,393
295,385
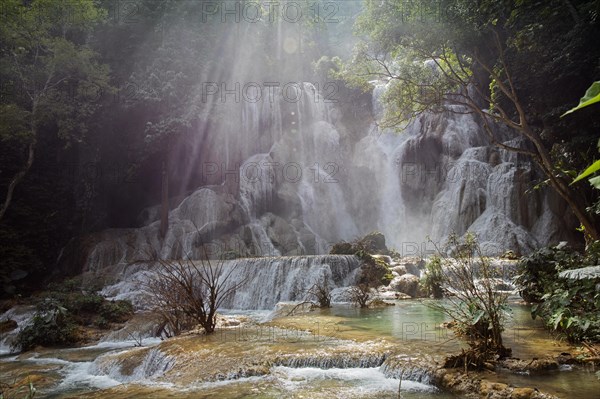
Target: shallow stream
333,353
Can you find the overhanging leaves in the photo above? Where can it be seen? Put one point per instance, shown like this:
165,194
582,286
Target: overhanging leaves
592,96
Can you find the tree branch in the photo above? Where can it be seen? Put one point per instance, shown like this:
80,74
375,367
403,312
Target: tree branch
17,178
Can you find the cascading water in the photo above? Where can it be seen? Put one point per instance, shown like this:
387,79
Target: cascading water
306,182
267,281
263,281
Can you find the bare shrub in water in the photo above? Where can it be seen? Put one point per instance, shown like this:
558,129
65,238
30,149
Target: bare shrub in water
317,296
360,295
185,293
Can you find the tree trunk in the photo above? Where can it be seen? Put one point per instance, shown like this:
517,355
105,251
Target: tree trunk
164,206
563,189
17,178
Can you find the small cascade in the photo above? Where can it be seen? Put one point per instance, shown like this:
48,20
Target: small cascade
348,382
267,281
129,366
21,315
410,369
328,361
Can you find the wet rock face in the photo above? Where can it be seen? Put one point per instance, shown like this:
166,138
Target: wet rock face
299,187
530,366
407,284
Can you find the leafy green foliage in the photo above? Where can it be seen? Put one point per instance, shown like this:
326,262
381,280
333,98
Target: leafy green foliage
592,96
582,273
433,279
51,78
51,325
497,60
87,307
65,308
595,167
565,293
375,271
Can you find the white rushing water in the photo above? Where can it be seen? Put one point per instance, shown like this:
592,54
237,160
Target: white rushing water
356,381
305,180
263,281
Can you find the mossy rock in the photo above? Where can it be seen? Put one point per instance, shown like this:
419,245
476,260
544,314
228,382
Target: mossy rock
343,248
375,243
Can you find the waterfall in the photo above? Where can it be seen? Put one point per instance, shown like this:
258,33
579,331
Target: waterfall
267,281
142,364
305,182
411,369
264,281
328,361
441,176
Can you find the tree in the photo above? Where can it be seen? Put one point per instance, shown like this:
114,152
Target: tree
167,86
52,78
186,291
498,60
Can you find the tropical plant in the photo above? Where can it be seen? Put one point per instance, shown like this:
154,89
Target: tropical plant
51,325
563,284
592,96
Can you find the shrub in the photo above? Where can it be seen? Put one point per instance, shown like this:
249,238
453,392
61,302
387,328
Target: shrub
187,292
317,296
372,243
116,311
342,248
360,295
320,292
51,325
561,283
433,279
475,306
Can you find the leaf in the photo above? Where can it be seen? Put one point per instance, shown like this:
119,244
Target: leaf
585,326
592,96
557,320
595,181
583,273
590,170
570,321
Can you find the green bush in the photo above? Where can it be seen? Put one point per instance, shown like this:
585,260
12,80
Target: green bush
101,322
567,306
433,279
116,311
51,326
372,243
342,248
374,271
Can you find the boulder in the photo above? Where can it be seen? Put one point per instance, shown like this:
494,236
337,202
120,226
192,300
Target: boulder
522,393
375,242
407,284
400,270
